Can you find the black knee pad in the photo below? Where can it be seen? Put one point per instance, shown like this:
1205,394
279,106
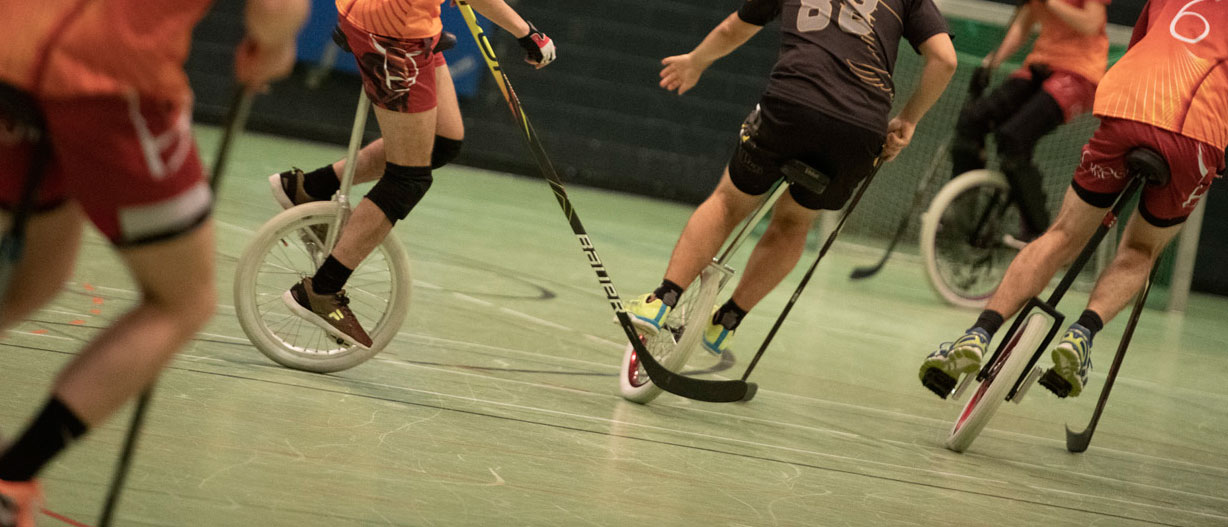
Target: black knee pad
400,190
445,151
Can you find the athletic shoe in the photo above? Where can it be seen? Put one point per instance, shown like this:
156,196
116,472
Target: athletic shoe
717,339
1072,360
943,367
647,315
288,188
19,503
330,312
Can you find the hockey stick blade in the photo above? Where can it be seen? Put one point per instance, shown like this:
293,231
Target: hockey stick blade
1078,441
717,391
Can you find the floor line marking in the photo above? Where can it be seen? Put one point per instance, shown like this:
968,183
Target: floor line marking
534,319
467,298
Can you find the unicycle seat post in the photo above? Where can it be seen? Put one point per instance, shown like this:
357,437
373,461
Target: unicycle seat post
749,225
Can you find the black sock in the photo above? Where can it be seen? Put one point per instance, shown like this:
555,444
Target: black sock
668,292
321,183
1090,320
990,321
729,315
331,277
51,432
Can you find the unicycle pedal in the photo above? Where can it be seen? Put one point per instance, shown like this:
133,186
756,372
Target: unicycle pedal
939,382
1055,383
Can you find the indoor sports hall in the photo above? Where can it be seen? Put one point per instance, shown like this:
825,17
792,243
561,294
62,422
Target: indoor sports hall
502,398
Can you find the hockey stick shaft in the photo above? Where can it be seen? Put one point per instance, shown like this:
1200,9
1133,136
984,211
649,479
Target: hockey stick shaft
831,238
1078,441
913,210
236,119
699,389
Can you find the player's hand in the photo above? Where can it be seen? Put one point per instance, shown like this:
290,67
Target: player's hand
681,72
538,48
980,81
899,134
257,65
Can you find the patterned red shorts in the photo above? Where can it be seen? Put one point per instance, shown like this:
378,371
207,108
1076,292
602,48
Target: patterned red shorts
1102,172
398,74
130,163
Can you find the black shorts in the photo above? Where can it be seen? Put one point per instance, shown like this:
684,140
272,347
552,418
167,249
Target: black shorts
842,151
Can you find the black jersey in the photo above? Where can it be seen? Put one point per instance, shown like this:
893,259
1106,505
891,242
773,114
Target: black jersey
837,56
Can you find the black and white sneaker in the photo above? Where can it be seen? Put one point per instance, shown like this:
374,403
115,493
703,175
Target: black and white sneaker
288,188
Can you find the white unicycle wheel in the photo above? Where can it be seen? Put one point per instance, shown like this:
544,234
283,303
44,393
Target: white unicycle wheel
962,237
288,248
991,391
672,346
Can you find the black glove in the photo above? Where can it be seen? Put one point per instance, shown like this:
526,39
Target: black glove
538,48
980,81
1040,72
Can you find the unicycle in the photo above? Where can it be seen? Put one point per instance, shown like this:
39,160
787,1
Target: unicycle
1012,369
964,237
684,327
293,245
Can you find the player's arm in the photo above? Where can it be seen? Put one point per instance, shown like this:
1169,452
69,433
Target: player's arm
940,62
539,49
1015,37
681,72
1087,20
267,50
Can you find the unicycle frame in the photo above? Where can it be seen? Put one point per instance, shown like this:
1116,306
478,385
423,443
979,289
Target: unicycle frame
342,197
1049,306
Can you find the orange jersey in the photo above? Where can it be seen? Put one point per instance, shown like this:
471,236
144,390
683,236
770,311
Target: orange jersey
1175,74
393,18
74,48
1063,48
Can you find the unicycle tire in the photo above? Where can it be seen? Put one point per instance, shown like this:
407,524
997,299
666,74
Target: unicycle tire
993,389
964,272
674,343
286,249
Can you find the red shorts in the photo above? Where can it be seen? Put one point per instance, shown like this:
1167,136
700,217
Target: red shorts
1192,165
1074,93
398,74
131,164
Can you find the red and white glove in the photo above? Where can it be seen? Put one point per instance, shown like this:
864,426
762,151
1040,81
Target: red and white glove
538,48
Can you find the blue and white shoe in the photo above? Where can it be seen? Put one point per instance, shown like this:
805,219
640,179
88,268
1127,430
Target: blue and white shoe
943,367
1072,358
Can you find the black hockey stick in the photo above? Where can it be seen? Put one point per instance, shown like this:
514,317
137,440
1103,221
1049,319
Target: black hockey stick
236,118
21,118
831,238
699,389
1078,441
913,210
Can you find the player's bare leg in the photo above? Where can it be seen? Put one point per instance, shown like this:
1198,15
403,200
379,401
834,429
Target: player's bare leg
1036,264
406,178
53,238
1117,285
708,228
776,253
175,278
409,141
1141,244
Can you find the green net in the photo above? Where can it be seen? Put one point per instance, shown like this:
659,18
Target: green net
1057,155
